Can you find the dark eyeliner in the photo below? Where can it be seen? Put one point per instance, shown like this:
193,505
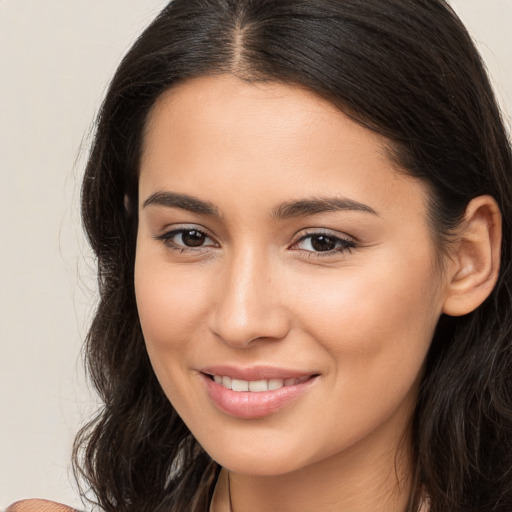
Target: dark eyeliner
168,236
345,244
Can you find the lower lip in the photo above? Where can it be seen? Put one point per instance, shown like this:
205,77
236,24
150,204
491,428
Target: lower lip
248,404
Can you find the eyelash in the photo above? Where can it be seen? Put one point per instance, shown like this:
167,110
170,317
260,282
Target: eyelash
167,239
341,244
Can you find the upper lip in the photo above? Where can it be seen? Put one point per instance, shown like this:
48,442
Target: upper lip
255,372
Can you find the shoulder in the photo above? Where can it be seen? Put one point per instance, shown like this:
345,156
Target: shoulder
38,506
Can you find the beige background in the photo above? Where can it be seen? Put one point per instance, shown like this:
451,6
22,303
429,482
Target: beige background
56,58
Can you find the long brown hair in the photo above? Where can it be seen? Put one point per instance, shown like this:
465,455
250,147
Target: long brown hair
406,69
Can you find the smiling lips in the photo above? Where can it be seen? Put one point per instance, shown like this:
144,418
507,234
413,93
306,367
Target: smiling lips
257,386
255,396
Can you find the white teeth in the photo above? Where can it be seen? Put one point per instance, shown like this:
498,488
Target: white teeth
239,385
257,385
275,384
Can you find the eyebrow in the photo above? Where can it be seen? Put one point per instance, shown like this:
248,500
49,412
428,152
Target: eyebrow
312,206
290,209
183,201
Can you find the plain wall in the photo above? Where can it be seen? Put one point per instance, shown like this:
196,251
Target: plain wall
56,58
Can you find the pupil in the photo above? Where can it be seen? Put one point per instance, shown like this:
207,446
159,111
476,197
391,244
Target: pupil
193,238
323,243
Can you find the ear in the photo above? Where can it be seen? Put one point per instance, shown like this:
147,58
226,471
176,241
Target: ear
127,204
472,270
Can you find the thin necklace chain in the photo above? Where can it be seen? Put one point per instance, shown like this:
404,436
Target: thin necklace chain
230,504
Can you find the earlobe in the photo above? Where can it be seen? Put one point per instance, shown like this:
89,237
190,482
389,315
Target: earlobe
475,259
127,205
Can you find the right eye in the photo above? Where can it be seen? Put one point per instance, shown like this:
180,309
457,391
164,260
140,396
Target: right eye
184,239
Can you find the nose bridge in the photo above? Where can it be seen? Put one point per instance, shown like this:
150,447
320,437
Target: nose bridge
247,304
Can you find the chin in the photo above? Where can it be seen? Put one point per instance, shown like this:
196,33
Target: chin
259,457
259,466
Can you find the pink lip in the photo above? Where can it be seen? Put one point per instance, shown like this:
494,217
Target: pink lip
247,404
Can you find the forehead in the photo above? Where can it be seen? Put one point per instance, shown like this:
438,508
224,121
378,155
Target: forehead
240,111
273,141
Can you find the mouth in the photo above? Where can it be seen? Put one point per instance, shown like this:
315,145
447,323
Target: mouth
262,392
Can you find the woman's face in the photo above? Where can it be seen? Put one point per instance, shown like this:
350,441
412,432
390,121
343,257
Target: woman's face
281,254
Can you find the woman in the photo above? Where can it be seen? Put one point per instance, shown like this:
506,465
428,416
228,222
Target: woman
301,212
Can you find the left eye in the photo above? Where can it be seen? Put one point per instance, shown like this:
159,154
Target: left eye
186,238
321,242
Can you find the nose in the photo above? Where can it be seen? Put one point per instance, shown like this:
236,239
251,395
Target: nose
248,303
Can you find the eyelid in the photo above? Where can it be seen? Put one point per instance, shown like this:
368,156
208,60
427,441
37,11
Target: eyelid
327,232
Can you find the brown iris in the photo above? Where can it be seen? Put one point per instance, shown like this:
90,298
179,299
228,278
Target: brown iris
323,243
193,238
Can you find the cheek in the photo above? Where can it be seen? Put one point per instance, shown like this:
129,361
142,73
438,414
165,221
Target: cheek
377,321
170,303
